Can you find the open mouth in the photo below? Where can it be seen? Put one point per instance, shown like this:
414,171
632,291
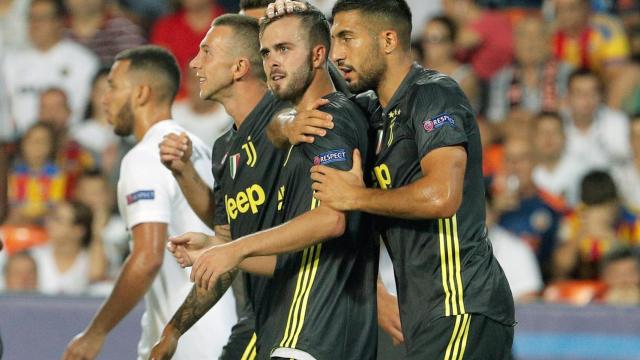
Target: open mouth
277,76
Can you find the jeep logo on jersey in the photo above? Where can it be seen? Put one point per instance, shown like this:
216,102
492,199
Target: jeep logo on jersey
439,121
330,157
234,162
245,201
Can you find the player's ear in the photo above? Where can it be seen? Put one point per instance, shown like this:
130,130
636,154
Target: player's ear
318,56
241,68
141,94
388,41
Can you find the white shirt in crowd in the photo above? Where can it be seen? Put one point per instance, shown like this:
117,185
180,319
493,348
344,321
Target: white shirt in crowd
604,145
564,180
208,126
627,178
517,261
94,135
28,72
13,26
52,281
148,193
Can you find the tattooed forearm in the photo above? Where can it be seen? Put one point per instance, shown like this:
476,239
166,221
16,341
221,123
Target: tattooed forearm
199,301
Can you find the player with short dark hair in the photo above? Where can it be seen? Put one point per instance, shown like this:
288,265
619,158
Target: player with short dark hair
325,277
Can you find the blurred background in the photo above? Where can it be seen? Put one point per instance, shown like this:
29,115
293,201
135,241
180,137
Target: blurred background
555,85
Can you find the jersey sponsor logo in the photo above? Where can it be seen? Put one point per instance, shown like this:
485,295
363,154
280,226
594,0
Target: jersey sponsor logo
382,175
252,154
330,157
141,195
249,200
438,122
234,163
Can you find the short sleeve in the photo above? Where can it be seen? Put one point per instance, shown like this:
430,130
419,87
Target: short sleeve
336,148
146,190
438,115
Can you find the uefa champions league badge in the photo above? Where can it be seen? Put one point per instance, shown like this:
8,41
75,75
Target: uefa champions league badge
438,122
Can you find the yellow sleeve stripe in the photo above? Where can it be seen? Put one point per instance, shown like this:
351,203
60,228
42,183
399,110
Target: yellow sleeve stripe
450,266
250,350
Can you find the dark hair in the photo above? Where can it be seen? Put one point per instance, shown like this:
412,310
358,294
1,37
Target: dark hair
584,72
59,90
597,188
448,23
93,173
102,72
59,9
313,22
547,115
395,14
156,61
83,216
246,33
53,134
622,253
634,117
254,4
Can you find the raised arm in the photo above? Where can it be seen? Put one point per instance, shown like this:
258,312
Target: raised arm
137,275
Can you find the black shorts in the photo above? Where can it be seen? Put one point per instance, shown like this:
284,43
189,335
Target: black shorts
467,336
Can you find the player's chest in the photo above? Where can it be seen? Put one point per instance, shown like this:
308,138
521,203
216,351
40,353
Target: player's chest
396,153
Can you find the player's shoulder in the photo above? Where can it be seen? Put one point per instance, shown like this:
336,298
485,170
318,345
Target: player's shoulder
343,109
432,88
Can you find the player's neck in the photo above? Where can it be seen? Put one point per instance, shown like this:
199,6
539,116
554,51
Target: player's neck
396,72
148,116
243,100
320,86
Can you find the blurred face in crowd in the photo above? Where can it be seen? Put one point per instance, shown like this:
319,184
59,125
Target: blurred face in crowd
549,138
584,97
634,131
356,51
45,27
518,159
437,44
36,147
21,273
117,99
287,59
195,4
215,62
93,191
623,281
531,42
54,109
61,226
85,7
100,88
572,15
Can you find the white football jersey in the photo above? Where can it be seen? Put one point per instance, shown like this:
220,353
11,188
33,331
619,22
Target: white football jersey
148,193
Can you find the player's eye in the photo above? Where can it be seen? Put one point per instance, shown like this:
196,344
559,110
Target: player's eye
283,49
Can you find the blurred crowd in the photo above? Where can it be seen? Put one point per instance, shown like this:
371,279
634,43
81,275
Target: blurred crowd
555,85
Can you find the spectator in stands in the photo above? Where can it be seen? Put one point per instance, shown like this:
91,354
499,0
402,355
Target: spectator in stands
624,93
13,24
535,81
597,226
521,207
20,273
554,172
485,37
92,24
208,119
52,62
71,156
73,258
627,176
597,136
95,133
585,40
620,271
516,259
94,191
182,31
438,36
36,183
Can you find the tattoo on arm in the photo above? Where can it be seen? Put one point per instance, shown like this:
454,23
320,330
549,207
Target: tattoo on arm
199,301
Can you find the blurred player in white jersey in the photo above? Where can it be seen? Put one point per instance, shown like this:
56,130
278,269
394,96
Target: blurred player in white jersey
142,85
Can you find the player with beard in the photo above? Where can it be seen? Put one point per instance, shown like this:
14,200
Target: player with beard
143,83
326,299
454,299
